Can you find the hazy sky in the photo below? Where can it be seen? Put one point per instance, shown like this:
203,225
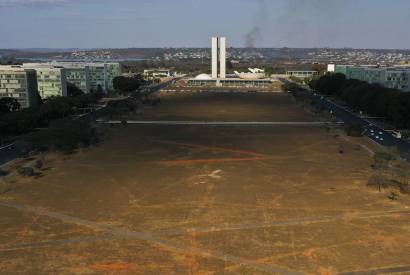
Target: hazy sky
190,23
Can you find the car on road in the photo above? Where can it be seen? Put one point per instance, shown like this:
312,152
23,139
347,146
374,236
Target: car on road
397,134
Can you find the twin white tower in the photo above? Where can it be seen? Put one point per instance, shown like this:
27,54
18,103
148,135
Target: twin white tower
218,54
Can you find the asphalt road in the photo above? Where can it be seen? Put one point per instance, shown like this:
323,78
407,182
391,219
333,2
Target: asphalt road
372,131
8,153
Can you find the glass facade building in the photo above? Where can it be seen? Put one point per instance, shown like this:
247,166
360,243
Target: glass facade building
86,76
80,77
112,70
394,77
98,74
51,82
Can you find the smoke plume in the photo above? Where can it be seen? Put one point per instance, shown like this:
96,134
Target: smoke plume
252,36
293,13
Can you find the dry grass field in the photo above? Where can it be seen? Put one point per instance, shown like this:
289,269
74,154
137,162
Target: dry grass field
154,199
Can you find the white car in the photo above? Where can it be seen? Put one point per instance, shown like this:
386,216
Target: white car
397,134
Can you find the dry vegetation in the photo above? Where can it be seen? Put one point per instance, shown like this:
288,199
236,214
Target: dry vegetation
207,200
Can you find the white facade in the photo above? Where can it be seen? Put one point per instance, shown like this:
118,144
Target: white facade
218,56
214,57
222,57
97,75
51,81
20,84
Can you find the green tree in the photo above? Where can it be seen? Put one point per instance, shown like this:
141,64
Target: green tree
8,104
128,84
73,90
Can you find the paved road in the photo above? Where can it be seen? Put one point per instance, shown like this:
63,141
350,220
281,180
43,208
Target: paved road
8,153
372,131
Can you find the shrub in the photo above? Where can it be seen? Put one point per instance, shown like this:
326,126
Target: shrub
354,130
383,157
3,173
39,164
26,171
405,188
67,136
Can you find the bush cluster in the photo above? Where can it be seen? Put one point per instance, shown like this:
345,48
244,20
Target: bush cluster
65,136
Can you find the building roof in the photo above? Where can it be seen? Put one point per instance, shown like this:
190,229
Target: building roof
203,77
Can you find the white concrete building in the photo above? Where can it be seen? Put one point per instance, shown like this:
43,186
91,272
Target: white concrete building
222,57
256,78
51,81
214,57
218,56
20,84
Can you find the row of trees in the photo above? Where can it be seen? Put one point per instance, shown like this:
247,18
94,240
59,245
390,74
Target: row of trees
65,136
127,85
22,121
374,99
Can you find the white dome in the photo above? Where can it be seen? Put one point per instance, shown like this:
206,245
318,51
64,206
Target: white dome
203,77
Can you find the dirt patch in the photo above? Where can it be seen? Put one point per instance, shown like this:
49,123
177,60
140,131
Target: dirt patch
183,203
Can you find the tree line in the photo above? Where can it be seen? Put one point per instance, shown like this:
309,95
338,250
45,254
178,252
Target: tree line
126,85
373,99
15,121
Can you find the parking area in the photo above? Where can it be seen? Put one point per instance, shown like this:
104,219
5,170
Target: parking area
206,199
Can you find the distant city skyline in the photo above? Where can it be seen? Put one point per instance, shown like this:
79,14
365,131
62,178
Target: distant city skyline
373,24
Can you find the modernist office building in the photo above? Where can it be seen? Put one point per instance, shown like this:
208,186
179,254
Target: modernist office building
51,81
390,77
219,77
86,76
302,74
20,84
218,55
98,75
80,77
77,75
157,73
205,80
